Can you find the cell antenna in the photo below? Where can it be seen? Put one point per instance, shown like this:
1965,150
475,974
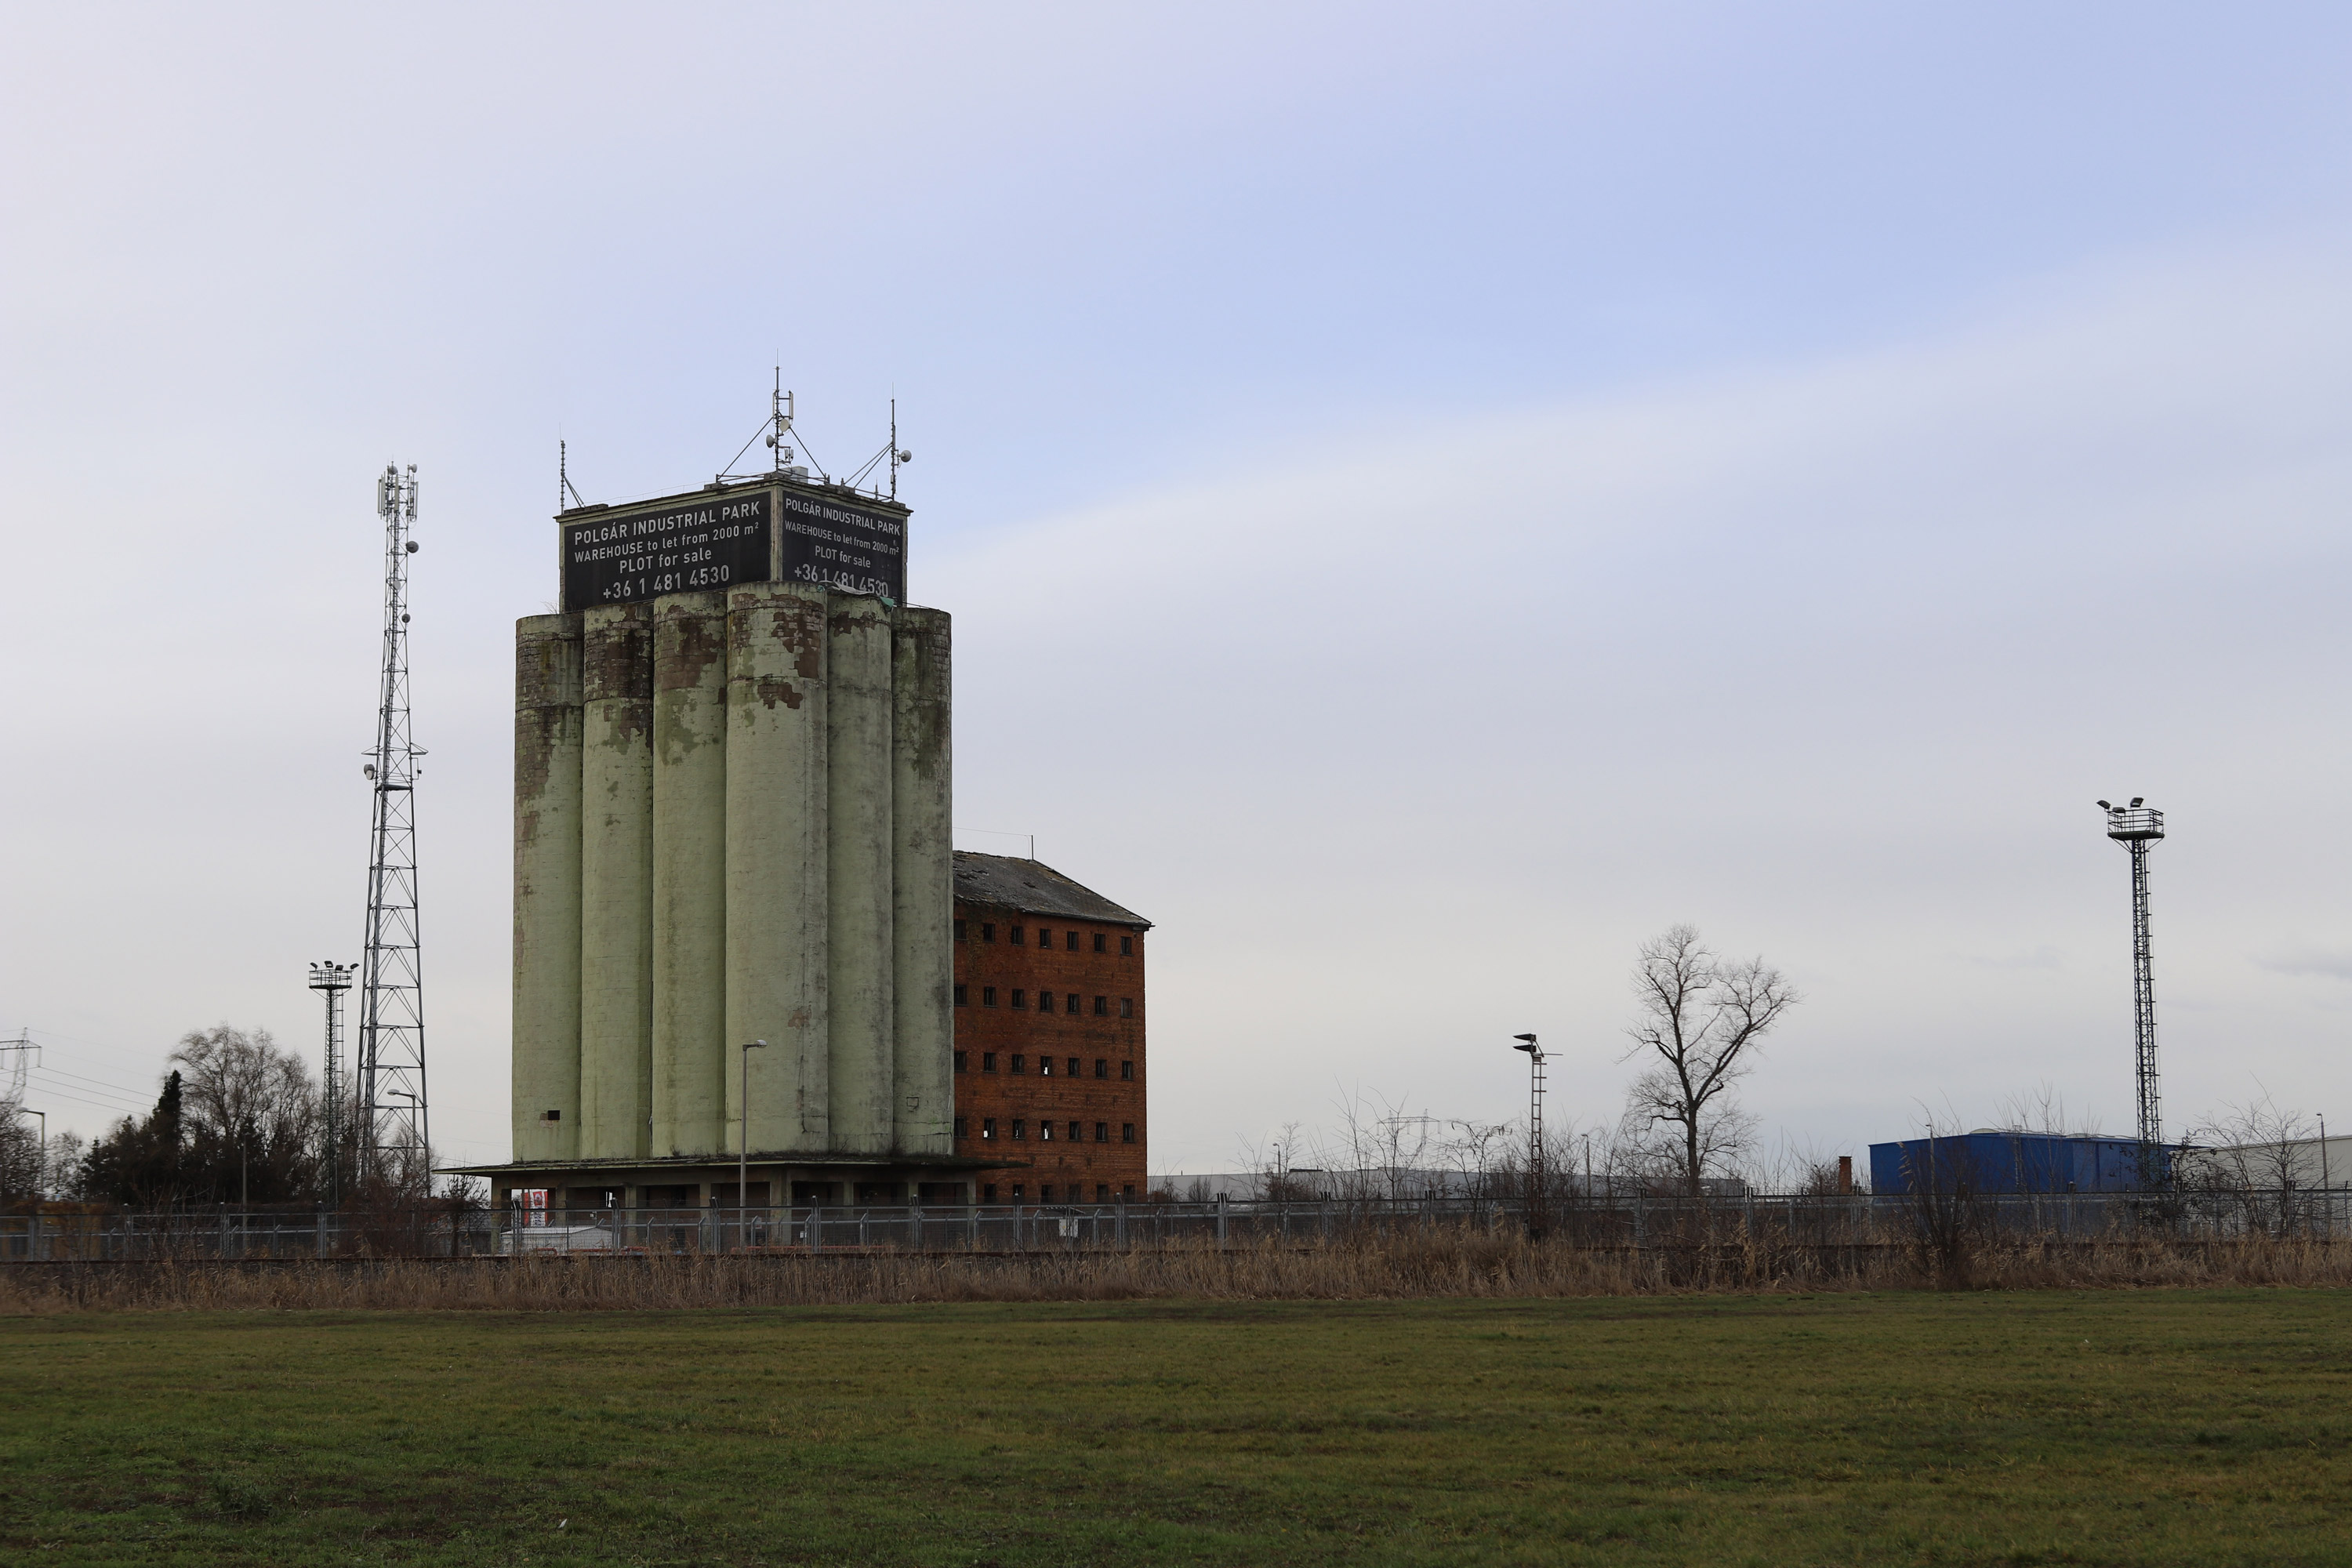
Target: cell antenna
390,1136
2135,827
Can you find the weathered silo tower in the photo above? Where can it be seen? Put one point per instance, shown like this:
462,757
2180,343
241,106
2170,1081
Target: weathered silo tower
732,765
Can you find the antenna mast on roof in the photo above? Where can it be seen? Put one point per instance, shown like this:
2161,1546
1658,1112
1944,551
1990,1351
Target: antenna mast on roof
563,486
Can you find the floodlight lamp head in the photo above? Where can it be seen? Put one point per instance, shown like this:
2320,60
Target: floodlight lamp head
2105,806
2138,801
1529,1038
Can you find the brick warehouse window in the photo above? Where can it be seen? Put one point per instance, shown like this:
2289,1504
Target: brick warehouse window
988,1062
958,930
1074,1067
988,995
1102,1068
963,1128
1102,1131
1019,1131
963,994
1099,947
1016,1192
1102,1191
1074,1005
987,1128
1013,935
988,933
1045,937
1126,1070
1125,1132
1044,1132
1045,1066
1045,1001
1045,1193
1076,1134
988,1191
1019,1062
1018,995
1074,941
959,1056
1127,1006
1127,947
1102,1004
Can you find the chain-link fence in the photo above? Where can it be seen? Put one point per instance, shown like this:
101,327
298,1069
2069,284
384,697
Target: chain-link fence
1631,1220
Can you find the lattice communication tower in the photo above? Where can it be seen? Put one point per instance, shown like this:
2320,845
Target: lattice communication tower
391,1139
2135,827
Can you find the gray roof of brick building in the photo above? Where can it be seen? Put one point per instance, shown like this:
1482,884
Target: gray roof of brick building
1034,888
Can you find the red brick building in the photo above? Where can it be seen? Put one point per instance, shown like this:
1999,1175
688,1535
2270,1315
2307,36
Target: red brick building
1049,1069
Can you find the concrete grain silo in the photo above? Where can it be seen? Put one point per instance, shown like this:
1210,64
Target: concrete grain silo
732,787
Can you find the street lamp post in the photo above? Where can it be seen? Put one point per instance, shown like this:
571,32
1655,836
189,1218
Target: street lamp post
1535,1135
743,1142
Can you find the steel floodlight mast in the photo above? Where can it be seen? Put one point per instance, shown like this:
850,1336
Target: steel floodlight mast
391,1086
1536,1182
331,980
2135,827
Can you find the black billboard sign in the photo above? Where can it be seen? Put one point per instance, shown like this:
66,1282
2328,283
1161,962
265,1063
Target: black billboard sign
676,550
849,549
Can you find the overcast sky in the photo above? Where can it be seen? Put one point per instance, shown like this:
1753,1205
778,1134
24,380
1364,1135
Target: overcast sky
1429,496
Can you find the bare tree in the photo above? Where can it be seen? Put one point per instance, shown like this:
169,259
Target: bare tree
2255,1166
21,1172
1699,1022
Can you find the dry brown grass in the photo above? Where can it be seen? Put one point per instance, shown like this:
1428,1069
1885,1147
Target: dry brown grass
1437,1262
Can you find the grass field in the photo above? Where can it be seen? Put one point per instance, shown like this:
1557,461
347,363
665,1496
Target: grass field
2162,1426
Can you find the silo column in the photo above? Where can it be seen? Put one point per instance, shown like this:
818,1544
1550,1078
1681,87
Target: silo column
922,883
689,874
859,863
776,927
616,881
545,1054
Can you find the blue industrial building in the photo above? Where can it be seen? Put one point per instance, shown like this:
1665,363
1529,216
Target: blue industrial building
1990,1161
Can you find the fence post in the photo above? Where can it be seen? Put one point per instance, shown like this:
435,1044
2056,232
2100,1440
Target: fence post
817,1227
1220,1220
